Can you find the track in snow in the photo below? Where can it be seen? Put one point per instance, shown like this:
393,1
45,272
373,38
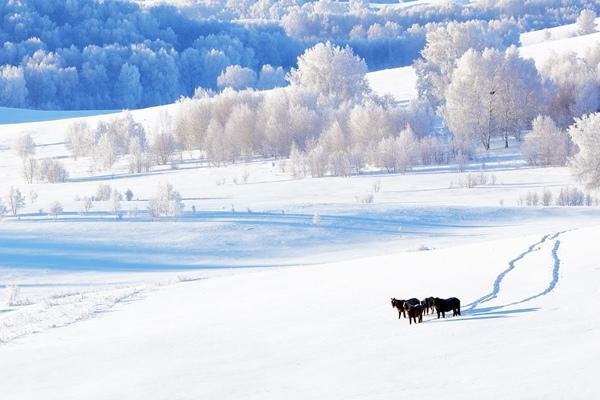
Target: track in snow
472,308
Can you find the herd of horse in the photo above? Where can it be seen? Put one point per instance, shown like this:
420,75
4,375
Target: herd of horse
415,308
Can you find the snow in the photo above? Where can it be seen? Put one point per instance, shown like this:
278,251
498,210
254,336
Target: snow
17,115
540,52
551,34
400,83
328,331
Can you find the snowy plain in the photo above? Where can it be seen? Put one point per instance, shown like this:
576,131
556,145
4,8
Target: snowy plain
250,298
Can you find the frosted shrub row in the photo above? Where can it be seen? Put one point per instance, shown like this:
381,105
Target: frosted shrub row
565,197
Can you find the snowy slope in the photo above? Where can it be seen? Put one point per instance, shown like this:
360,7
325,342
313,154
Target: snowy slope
400,83
540,52
328,331
18,115
550,34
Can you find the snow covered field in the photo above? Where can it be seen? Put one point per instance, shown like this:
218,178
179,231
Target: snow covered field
328,331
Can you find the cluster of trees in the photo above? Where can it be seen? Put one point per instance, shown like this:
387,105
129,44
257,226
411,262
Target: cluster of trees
326,115
39,170
114,54
109,140
479,85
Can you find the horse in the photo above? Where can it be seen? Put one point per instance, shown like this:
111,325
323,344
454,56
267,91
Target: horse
401,305
428,305
414,311
442,306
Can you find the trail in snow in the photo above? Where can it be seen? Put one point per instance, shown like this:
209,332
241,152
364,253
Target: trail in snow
555,276
511,265
472,307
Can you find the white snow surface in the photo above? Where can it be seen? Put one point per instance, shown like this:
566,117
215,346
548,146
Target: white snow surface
328,331
400,83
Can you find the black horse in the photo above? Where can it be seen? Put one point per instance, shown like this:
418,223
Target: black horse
414,311
401,305
442,306
428,305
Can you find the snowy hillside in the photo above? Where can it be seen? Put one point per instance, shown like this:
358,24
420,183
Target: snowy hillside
330,331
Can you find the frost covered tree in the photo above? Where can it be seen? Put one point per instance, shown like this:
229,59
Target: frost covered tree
25,146
14,200
576,87
55,209
270,77
116,199
30,169
79,139
237,77
52,171
585,133
547,144
3,209
447,43
164,147
331,70
13,87
586,23
167,202
86,204
492,93
396,154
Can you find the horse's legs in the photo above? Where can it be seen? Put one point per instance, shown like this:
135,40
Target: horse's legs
443,314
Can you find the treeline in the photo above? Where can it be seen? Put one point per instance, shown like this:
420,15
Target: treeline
91,54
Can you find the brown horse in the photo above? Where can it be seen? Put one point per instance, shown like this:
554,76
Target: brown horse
442,306
414,311
401,305
428,305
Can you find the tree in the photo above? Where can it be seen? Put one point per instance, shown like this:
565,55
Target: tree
14,200
237,77
586,23
164,146
167,202
334,71
2,208
447,43
585,133
52,171
576,87
25,146
492,93
103,192
79,139
129,195
270,77
86,204
128,87
55,209
13,87
547,144
30,169
116,198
